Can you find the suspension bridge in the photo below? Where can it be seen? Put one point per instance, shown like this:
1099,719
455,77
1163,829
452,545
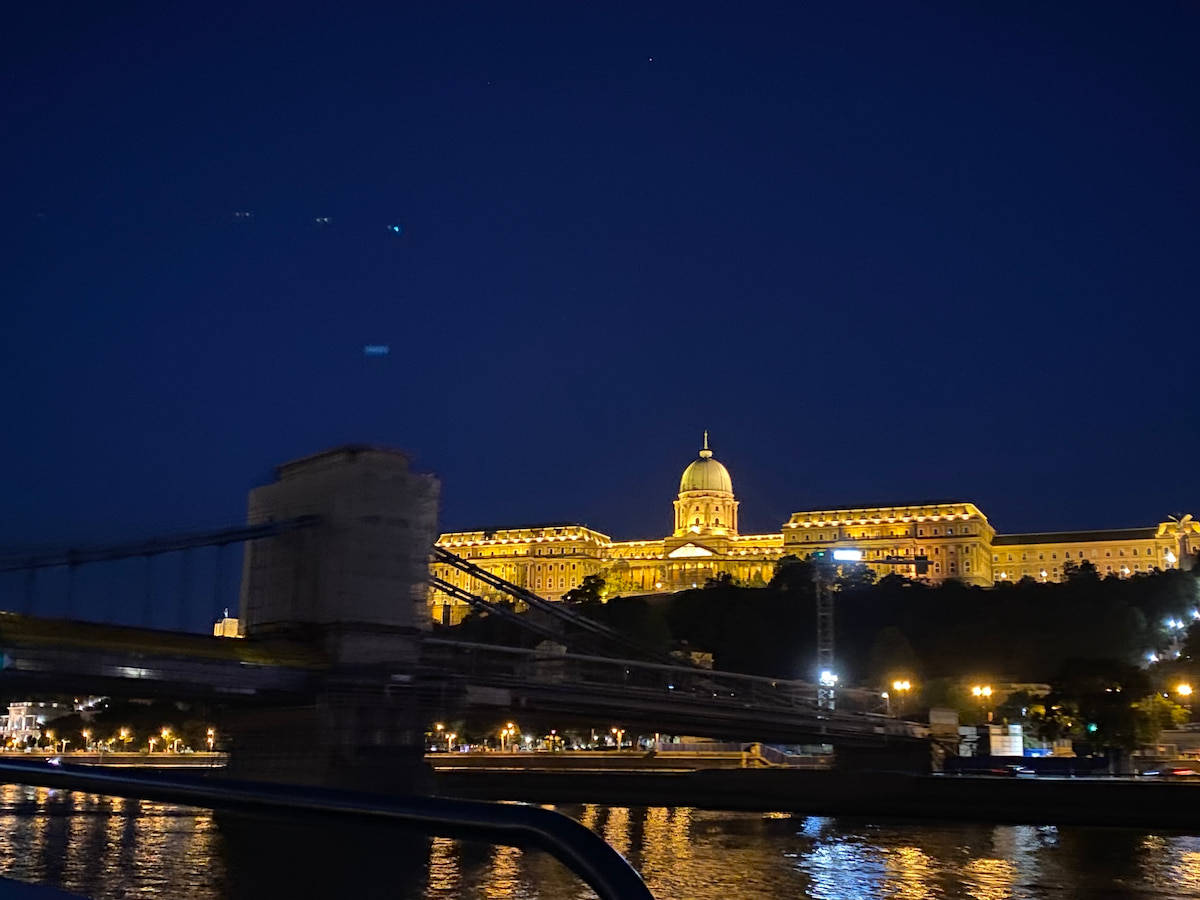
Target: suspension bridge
334,574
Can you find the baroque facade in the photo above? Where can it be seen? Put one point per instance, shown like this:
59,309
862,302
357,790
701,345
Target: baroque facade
955,537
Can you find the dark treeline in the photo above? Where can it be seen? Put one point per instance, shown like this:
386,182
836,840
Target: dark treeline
1026,631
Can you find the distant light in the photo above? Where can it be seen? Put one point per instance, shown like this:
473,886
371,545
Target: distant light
376,350
848,555
828,679
396,229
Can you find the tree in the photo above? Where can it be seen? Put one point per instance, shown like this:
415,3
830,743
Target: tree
792,574
720,580
854,576
591,590
892,656
1082,572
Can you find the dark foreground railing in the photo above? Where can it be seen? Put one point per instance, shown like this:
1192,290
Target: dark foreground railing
528,827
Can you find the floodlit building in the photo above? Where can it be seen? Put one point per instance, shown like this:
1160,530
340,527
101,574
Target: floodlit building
953,535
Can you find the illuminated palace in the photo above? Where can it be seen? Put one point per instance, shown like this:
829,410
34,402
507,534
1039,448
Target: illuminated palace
955,536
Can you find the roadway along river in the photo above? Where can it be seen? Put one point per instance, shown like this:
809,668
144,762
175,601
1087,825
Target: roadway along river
111,848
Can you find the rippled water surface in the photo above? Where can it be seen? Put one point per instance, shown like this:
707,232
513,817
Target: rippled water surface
106,847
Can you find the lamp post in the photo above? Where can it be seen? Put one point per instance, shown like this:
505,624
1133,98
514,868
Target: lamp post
901,687
506,734
211,739
620,735
87,738
983,693
126,737
166,736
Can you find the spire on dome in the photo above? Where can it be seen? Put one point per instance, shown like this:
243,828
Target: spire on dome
705,453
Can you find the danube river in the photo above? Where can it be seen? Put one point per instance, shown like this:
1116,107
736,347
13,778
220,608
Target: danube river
104,847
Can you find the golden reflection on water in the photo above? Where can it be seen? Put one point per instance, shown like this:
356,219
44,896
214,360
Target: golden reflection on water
444,876
98,846
1174,862
616,830
908,873
107,847
502,881
990,879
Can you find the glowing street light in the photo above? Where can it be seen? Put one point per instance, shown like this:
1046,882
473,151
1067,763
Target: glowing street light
506,735
126,737
620,735
983,693
901,686
87,738
1184,690
211,739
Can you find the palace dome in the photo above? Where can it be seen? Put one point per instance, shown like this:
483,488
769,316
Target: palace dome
706,474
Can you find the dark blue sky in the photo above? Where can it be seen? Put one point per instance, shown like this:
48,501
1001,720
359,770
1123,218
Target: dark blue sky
882,251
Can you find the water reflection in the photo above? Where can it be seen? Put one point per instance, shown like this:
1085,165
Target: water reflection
108,847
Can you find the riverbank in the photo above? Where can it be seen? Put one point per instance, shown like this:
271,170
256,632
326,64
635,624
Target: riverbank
140,760
1033,801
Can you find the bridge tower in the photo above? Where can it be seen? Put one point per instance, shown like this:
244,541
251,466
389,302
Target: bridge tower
353,586
359,577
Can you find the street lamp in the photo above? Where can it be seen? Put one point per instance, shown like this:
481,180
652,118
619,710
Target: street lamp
126,737
506,734
901,686
166,736
983,693
87,738
620,733
450,741
50,738
211,738
152,742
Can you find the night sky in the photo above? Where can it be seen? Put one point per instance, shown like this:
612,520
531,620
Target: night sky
883,252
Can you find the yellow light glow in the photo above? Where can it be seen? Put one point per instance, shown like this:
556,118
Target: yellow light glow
1184,690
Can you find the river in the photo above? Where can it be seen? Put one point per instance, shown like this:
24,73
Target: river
105,847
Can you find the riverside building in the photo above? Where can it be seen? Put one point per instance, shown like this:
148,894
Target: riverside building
954,535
